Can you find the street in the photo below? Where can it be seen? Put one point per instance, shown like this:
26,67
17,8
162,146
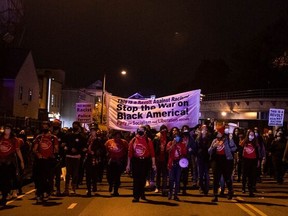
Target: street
271,199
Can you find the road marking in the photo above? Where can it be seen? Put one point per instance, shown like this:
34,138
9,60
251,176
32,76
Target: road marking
252,207
72,206
245,209
21,196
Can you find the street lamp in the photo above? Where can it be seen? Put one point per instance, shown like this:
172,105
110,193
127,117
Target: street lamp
123,72
103,92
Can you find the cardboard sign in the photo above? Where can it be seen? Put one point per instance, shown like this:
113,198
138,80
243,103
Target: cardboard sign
276,117
84,112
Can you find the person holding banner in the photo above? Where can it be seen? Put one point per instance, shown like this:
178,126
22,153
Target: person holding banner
177,150
160,143
140,153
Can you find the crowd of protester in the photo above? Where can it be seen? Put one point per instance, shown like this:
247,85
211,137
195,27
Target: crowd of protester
164,159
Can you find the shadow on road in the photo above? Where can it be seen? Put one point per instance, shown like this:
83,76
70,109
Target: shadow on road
153,202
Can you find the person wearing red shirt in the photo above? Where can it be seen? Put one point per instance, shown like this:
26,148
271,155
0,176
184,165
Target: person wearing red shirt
9,145
176,150
117,150
140,154
45,147
222,162
160,143
250,161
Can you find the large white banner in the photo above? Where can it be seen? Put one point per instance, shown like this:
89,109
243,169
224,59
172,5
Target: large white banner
174,110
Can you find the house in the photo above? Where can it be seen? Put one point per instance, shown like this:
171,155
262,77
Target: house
19,86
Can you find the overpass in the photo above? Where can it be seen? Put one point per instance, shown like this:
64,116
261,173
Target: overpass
249,105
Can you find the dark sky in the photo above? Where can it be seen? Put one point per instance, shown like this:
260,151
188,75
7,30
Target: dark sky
159,42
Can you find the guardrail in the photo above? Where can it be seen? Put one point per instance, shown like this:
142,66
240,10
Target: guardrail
257,93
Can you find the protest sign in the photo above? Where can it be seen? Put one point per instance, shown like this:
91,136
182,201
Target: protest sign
276,117
84,112
174,110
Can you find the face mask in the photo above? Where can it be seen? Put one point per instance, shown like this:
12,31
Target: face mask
141,133
251,138
55,128
256,134
75,129
45,130
278,138
186,133
177,138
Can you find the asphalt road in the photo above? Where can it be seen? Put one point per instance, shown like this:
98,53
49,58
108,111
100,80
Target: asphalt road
271,199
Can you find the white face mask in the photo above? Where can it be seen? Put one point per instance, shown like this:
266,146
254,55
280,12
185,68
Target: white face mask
251,137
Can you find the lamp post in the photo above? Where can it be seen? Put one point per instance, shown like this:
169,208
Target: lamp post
103,92
123,73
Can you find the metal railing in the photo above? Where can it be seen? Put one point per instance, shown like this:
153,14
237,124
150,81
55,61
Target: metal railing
257,93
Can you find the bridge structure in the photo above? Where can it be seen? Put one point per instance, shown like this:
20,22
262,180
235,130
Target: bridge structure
244,106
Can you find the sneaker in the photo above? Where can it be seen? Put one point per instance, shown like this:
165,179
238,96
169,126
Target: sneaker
88,194
66,193
169,196
156,190
39,200
215,199
147,183
3,202
176,198
14,194
184,193
143,197
135,200
230,195
116,194
110,188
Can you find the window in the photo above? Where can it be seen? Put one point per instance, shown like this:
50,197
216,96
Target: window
20,93
30,94
52,100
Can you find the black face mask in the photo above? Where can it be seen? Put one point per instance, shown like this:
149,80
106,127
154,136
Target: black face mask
141,133
46,130
75,129
56,128
186,133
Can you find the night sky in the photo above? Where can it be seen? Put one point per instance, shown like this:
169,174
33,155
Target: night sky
161,43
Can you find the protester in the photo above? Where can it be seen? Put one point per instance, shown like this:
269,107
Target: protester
94,157
203,142
221,151
45,147
268,166
117,150
250,161
75,144
262,155
191,157
177,149
277,152
160,144
140,154
9,145
56,130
